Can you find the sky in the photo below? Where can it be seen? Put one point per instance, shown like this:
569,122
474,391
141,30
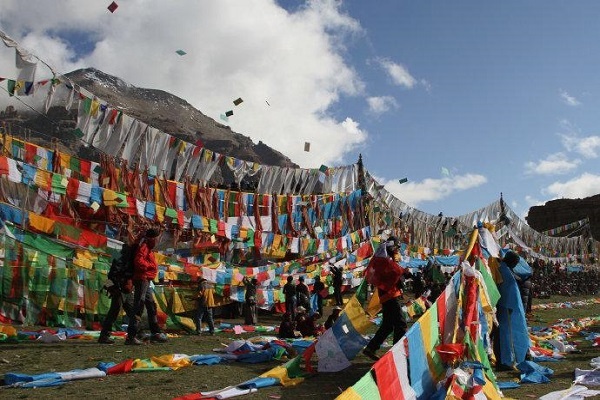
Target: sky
465,99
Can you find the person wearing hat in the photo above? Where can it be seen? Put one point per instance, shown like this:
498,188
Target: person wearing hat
144,271
385,274
204,308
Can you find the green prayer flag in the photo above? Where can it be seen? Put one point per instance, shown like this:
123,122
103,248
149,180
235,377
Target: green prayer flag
213,225
490,285
10,86
361,292
75,163
366,387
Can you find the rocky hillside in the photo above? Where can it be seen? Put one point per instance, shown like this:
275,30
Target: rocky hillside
158,108
561,212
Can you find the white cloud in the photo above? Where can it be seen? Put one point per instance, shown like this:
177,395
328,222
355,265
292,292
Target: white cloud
398,73
415,193
588,147
381,104
568,99
583,186
252,49
553,164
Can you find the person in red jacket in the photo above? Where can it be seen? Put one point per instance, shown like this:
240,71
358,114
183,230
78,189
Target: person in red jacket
384,273
144,271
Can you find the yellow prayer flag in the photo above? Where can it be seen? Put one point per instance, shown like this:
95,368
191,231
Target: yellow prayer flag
43,179
160,213
374,304
171,360
357,316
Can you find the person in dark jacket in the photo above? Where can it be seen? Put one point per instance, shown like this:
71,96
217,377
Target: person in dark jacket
302,294
318,289
120,291
289,291
250,312
287,327
337,284
204,309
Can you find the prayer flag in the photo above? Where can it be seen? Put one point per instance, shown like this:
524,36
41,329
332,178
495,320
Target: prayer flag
229,113
238,101
113,7
181,52
307,146
420,376
365,389
288,374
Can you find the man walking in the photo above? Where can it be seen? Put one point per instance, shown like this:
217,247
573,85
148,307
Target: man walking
145,271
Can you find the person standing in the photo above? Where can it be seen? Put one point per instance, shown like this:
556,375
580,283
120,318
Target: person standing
250,316
337,284
390,295
302,294
318,288
145,271
289,291
204,302
119,287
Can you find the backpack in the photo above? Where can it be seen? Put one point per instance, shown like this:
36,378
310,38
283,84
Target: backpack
121,269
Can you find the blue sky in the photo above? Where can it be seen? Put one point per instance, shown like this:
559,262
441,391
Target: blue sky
465,99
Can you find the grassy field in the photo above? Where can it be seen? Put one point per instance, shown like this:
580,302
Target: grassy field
33,357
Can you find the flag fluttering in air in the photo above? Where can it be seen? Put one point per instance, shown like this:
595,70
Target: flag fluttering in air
112,7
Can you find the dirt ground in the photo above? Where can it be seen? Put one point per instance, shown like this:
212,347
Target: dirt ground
33,357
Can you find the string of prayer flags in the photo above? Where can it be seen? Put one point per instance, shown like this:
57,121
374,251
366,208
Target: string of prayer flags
112,7
307,146
181,52
238,101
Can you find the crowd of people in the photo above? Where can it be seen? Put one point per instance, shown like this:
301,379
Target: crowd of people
550,280
131,290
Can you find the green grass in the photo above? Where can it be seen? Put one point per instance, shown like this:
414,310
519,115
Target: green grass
33,357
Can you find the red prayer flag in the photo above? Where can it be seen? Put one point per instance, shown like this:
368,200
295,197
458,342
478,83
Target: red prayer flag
113,7
121,368
386,375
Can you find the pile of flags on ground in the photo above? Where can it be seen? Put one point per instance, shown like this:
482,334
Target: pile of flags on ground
262,349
